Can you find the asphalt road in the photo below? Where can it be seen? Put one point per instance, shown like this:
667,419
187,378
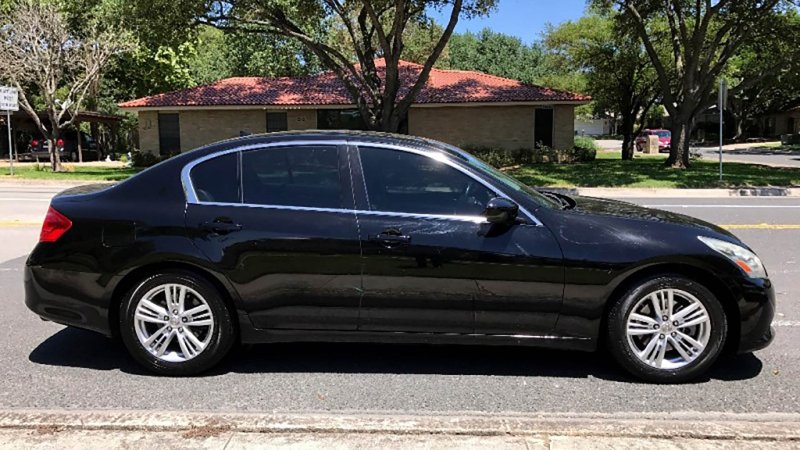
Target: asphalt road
44,365
742,153
768,156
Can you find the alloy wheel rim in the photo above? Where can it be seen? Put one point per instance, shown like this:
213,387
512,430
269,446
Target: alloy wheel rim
173,322
668,329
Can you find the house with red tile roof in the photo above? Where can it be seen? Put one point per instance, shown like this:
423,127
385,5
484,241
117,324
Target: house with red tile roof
463,108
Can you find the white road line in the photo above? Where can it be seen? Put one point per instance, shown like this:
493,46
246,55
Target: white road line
722,206
30,199
786,323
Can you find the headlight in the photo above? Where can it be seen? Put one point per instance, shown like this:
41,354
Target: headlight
742,257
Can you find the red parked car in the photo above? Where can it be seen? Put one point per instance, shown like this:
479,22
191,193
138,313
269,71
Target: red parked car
664,139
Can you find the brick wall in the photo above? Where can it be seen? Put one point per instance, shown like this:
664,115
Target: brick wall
508,127
563,127
148,131
199,128
301,119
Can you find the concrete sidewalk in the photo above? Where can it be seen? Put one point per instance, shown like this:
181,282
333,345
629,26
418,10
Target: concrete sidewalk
109,429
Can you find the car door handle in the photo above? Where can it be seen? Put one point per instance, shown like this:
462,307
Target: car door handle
220,227
390,239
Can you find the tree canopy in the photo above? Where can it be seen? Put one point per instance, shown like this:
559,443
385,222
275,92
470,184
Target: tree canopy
617,71
690,45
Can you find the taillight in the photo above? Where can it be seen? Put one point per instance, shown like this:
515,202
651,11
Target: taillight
54,226
34,143
60,142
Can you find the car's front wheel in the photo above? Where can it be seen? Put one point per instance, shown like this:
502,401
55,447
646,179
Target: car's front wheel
667,329
176,324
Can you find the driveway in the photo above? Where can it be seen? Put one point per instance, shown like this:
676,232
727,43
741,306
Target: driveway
753,153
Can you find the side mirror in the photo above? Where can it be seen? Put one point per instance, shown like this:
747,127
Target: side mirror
501,210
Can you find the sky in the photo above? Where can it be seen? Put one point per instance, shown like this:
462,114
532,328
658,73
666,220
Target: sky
525,19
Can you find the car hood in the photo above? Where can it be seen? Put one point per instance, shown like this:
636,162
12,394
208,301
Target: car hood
625,210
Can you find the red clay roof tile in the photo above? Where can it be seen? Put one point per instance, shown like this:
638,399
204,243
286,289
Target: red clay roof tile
443,86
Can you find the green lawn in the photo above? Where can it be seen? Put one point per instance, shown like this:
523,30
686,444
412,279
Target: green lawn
648,172
607,171
78,173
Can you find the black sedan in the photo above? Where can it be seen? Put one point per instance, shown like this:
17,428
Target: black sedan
346,236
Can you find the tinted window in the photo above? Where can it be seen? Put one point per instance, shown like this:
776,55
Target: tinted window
217,180
399,181
292,176
339,119
277,121
169,134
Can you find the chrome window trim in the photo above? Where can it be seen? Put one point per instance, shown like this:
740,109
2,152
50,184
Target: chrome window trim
191,196
474,219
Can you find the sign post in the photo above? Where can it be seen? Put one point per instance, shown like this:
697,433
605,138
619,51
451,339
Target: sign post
721,103
9,101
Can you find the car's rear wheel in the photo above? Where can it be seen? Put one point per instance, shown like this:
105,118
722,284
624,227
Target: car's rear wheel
667,329
176,324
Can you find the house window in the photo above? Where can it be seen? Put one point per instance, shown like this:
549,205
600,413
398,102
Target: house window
277,121
339,119
543,128
169,134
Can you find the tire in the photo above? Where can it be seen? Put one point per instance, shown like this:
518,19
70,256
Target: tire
631,336
195,341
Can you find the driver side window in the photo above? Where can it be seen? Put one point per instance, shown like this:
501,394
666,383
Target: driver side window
404,182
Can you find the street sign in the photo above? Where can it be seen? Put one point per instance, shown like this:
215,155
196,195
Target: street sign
9,99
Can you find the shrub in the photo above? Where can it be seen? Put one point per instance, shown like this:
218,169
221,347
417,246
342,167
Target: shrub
499,157
585,150
146,159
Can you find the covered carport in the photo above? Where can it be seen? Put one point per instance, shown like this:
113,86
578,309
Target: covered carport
104,129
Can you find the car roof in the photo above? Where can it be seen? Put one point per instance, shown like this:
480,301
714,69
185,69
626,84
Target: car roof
355,135
288,137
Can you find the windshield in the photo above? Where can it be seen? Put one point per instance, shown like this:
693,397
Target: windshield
507,180
664,134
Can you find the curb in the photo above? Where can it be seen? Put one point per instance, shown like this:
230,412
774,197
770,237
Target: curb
760,427
761,192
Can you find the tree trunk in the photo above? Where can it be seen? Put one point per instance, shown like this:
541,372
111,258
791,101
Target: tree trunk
627,148
628,139
55,158
679,153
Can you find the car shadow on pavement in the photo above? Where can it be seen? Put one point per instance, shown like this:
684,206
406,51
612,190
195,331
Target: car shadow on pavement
77,348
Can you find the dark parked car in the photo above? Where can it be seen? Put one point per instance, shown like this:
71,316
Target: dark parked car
67,146
346,236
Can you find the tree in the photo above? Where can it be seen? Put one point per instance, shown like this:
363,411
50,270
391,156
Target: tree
690,44
39,54
497,54
765,76
618,72
268,55
375,30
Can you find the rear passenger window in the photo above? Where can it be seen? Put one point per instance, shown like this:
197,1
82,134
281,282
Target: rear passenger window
292,176
217,180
